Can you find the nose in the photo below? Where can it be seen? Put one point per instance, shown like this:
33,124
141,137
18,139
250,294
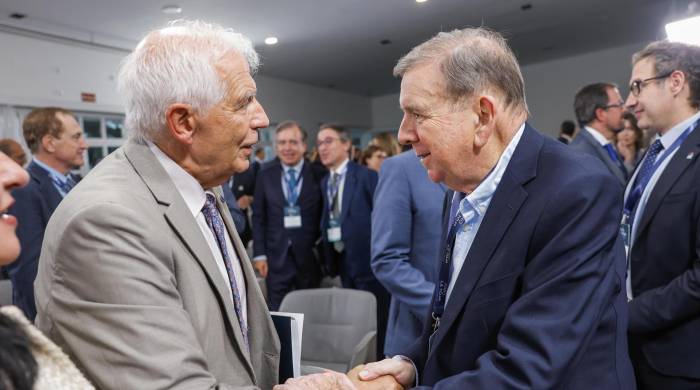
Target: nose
83,144
11,174
407,131
260,119
631,101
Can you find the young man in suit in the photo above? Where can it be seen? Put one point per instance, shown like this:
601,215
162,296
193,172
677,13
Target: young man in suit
599,108
405,242
143,280
662,217
286,215
346,223
56,141
530,290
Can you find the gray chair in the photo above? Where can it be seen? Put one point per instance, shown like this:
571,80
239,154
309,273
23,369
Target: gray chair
340,327
5,292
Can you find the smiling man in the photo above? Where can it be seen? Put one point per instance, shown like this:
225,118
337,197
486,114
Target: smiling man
143,280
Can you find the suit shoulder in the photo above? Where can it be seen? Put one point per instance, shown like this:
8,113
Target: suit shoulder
579,169
268,166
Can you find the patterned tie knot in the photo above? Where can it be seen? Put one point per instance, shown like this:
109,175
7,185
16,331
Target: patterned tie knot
210,203
656,147
292,173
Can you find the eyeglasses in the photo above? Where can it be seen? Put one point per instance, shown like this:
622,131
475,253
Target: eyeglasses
619,104
636,86
326,142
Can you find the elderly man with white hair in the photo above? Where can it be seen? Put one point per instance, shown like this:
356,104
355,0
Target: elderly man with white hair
143,280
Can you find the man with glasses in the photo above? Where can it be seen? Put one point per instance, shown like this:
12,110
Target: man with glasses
599,108
346,222
661,220
286,215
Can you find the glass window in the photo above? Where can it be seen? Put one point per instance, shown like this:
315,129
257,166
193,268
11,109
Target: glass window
95,155
91,126
114,127
112,149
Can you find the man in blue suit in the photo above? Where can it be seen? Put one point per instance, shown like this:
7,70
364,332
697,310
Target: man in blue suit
662,215
599,108
286,215
530,291
405,242
346,224
56,142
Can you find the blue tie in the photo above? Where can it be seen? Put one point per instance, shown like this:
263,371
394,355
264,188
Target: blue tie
291,187
216,224
615,158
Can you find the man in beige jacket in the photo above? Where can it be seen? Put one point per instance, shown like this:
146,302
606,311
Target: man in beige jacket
143,280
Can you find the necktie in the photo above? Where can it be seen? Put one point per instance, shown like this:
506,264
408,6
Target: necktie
335,213
216,224
66,185
615,158
645,171
291,186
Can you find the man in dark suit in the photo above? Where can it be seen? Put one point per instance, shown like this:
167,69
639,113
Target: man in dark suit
286,215
242,186
662,216
566,132
56,141
530,291
599,108
405,242
348,192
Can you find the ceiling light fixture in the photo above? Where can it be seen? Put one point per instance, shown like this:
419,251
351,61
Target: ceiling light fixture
271,40
421,1
171,9
686,31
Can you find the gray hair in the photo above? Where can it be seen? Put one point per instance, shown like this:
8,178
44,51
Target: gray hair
471,60
176,64
671,56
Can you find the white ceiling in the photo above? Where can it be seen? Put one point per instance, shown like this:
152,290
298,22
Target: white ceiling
336,43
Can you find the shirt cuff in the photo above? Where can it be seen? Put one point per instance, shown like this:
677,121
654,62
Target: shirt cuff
260,258
406,359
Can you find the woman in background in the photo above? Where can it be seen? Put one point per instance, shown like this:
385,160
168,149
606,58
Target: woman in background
388,142
629,142
373,157
28,360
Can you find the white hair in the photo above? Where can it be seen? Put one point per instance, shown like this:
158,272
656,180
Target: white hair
176,64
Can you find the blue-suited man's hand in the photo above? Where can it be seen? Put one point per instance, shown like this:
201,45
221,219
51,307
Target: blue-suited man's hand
329,380
400,369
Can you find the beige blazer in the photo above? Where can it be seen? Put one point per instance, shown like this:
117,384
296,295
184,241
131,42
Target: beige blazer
128,287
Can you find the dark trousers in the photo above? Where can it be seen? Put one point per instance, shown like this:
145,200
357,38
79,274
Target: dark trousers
296,274
650,379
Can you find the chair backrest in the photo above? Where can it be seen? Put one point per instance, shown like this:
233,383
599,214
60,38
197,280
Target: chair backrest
5,292
335,320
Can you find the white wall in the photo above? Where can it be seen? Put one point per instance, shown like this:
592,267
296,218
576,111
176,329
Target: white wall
35,72
549,86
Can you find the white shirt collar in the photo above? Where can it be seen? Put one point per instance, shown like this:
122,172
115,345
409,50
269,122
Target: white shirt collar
297,168
598,137
188,187
670,137
341,168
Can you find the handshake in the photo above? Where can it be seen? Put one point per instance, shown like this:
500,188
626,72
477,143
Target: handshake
388,374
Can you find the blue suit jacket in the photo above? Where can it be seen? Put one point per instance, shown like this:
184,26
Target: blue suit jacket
406,223
270,237
665,268
539,302
356,222
34,204
585,142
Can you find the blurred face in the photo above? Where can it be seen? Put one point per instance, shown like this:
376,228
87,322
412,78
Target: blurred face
441,132
11,176
653,105
331,149
374,162
17,154
616,107
69,147
290,146
224,136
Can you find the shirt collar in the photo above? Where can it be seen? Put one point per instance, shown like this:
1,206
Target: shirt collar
672,135
188,187
342,168
478,201
297,168
52,172
598,137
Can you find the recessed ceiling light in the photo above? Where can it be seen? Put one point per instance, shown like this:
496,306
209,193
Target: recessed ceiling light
270,40
685,30
421,1
171,9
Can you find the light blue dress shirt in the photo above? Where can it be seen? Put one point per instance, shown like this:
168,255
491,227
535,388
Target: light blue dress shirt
56,176
473,208
297,172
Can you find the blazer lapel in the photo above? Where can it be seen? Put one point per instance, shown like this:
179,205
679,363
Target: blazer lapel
675,168
505,204
46,185
348,189
180,219
603,155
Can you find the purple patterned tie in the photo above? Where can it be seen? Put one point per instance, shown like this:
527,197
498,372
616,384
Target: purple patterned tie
216,224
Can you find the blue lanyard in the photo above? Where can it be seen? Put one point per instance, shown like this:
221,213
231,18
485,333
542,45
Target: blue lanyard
292,188
445,271
641,183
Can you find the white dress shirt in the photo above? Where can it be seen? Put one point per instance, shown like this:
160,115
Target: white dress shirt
598,137
195,196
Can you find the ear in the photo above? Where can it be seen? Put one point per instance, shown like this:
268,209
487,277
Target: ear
599,114
677,82
485,120
48,143
181,122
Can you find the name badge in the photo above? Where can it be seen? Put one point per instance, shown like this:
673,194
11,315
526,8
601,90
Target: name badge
292,217
333,232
